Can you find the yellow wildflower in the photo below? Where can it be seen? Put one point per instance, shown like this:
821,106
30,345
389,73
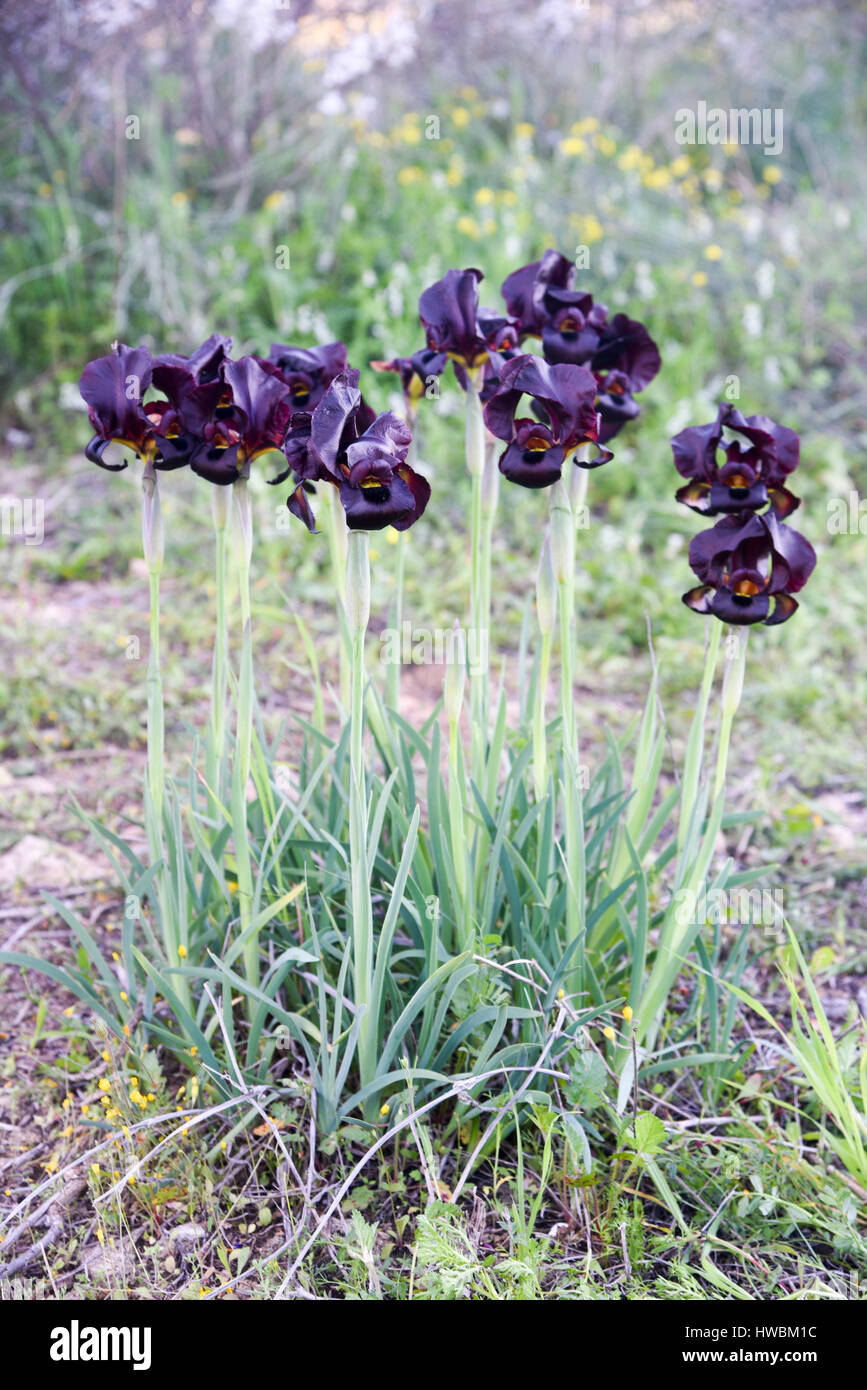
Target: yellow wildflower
467,226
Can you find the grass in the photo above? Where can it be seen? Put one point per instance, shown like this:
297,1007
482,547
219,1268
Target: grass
700,1206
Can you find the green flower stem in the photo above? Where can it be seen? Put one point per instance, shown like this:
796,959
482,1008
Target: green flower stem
173,931
475,449
393,668
546,614
393,673
152,545
156,730
337,532
243,541
733,688
358,614
453,691
696,739
220,498
562,533
490,498
242,537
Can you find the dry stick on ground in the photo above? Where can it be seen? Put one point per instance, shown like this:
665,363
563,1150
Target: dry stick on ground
260,1110
55,1210
191,1119
462,1086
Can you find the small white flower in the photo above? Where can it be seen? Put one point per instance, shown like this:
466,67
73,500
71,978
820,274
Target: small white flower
773,375
752,319
765,279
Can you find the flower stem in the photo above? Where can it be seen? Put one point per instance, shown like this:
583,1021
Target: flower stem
393,669
172,930
152,545
358,614
489,500
540,721
220,497
546,613
453,691
156,732
335,526
475,448
243,543
562,532
733,685
696,739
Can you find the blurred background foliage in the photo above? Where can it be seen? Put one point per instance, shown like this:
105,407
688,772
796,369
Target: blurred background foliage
162,162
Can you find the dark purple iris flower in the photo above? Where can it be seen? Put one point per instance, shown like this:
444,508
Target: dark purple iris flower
479,341
745,561
563,400
449,312
619,351
417,373
194,389
164,431
573,327
363,455
501,335
757,463
251,420
113,388
203,365
308,372
524,291
625,361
